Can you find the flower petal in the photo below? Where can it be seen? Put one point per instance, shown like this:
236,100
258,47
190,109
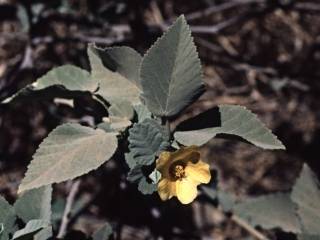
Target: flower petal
163,163
166,189
186,190
199,172
186,154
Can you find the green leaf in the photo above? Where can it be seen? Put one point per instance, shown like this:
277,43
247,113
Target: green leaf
269,212
306,194
7,219
22,15
155,176
119,124
114,124
308,237
35,204
69,77
171,75
44,234
32,227
113,87
146,139
69,151
121,109
142,112
64,81
233,120
120,114
58,207
141,176
105,126
225,199
123,60
104,233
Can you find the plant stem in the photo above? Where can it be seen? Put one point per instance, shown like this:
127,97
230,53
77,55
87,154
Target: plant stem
70,199
168,129
254,232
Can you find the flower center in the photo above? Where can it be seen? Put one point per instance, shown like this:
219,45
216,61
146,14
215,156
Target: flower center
179,172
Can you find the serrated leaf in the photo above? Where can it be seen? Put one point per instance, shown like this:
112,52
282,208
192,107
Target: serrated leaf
34,204
308,237
146,186
121,109
145,140
22,15
142,112
233,120
112,86
68,76
119,124
7,218
306,194
226,200
69,151
44,234
140,176
123,60
114,124
105,126
120,115
155,176
58,207
32,227
170,74
104,233
129,157
64,81
270,211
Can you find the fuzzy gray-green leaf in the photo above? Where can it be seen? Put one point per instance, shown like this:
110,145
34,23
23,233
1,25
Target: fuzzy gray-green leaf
171,75
69,151
146,185
7,219
234,120
121,109
112,86
68,80
308,237
142,112
225,199
68,76
44,234
123,60
269,212
34,204
306,194
146,139
31,228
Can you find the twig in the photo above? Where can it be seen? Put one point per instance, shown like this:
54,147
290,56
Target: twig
254,232
100,40
207,44
308,6
218,27
27,61
65,219
219,8
157,15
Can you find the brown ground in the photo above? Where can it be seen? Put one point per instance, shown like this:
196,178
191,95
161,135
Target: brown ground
263,55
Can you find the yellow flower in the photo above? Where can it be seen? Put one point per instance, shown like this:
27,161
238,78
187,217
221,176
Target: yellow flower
181,172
